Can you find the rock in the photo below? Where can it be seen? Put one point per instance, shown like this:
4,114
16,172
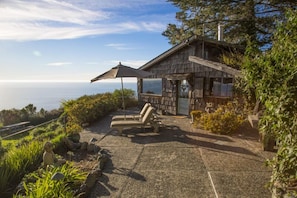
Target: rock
90,147
93,140
74,137
70,144
84,146
77,145
102,159
58,176
97,149
92,178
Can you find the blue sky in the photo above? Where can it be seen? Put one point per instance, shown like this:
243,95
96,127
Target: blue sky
76,40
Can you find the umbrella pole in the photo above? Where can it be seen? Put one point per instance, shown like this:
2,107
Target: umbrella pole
123,102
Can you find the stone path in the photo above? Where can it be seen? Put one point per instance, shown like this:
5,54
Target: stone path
179,161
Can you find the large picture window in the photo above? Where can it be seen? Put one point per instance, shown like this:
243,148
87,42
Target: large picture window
220,87
152,86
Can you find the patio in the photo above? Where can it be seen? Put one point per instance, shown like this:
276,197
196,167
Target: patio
179,161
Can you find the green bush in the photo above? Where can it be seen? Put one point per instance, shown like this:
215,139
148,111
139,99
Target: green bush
17,161
225,119
274,75
196,115
88,109
2,149
38,131
27,156
41,185
129,98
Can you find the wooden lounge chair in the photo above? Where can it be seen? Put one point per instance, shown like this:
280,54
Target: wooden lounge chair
134,116
147,120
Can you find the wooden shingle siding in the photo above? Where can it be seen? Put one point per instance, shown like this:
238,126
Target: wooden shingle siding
175,62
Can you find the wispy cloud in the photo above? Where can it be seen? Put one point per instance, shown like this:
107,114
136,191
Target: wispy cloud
118,46
52,19
36,53
59,63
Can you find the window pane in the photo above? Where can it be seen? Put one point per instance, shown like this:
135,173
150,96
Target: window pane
227,87
184,89
152,86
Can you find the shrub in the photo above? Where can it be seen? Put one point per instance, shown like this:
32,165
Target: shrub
2,149
129,97
38,131
196,115
225,120
17,161
40,183
88,109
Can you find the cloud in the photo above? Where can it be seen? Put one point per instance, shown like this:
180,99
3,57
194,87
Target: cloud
118,46
51,19
59,63
36,53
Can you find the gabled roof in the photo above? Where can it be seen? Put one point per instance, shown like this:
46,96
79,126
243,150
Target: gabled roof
184,44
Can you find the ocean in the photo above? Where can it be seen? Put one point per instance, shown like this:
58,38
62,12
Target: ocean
50,95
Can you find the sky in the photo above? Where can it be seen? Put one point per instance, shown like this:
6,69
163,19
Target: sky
77,40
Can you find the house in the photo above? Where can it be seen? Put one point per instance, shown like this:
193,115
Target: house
189,76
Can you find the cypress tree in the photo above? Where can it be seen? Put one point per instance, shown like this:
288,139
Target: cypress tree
240,19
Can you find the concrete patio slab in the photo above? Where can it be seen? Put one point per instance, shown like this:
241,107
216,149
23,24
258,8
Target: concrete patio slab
179,161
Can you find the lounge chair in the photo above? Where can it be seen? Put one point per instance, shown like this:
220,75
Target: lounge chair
147,120
134,116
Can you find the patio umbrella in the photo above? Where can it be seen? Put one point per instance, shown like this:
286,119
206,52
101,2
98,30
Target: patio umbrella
121,71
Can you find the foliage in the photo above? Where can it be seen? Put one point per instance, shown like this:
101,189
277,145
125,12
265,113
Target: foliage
225,120
196,115
232,59
28,113
129,97
40,184
240,19
88,109
23,155
17,161
274,75
2,149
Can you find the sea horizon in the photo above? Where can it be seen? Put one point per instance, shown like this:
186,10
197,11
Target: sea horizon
49,95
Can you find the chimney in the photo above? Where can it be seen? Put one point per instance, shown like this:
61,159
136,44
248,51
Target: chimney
220,32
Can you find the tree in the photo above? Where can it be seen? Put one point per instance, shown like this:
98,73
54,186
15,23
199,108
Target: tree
11,116
274,75
240,19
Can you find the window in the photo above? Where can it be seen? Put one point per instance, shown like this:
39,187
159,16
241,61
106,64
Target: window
220,87
184,89
152,86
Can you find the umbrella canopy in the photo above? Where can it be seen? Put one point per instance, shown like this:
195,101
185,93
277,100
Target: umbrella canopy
121,71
